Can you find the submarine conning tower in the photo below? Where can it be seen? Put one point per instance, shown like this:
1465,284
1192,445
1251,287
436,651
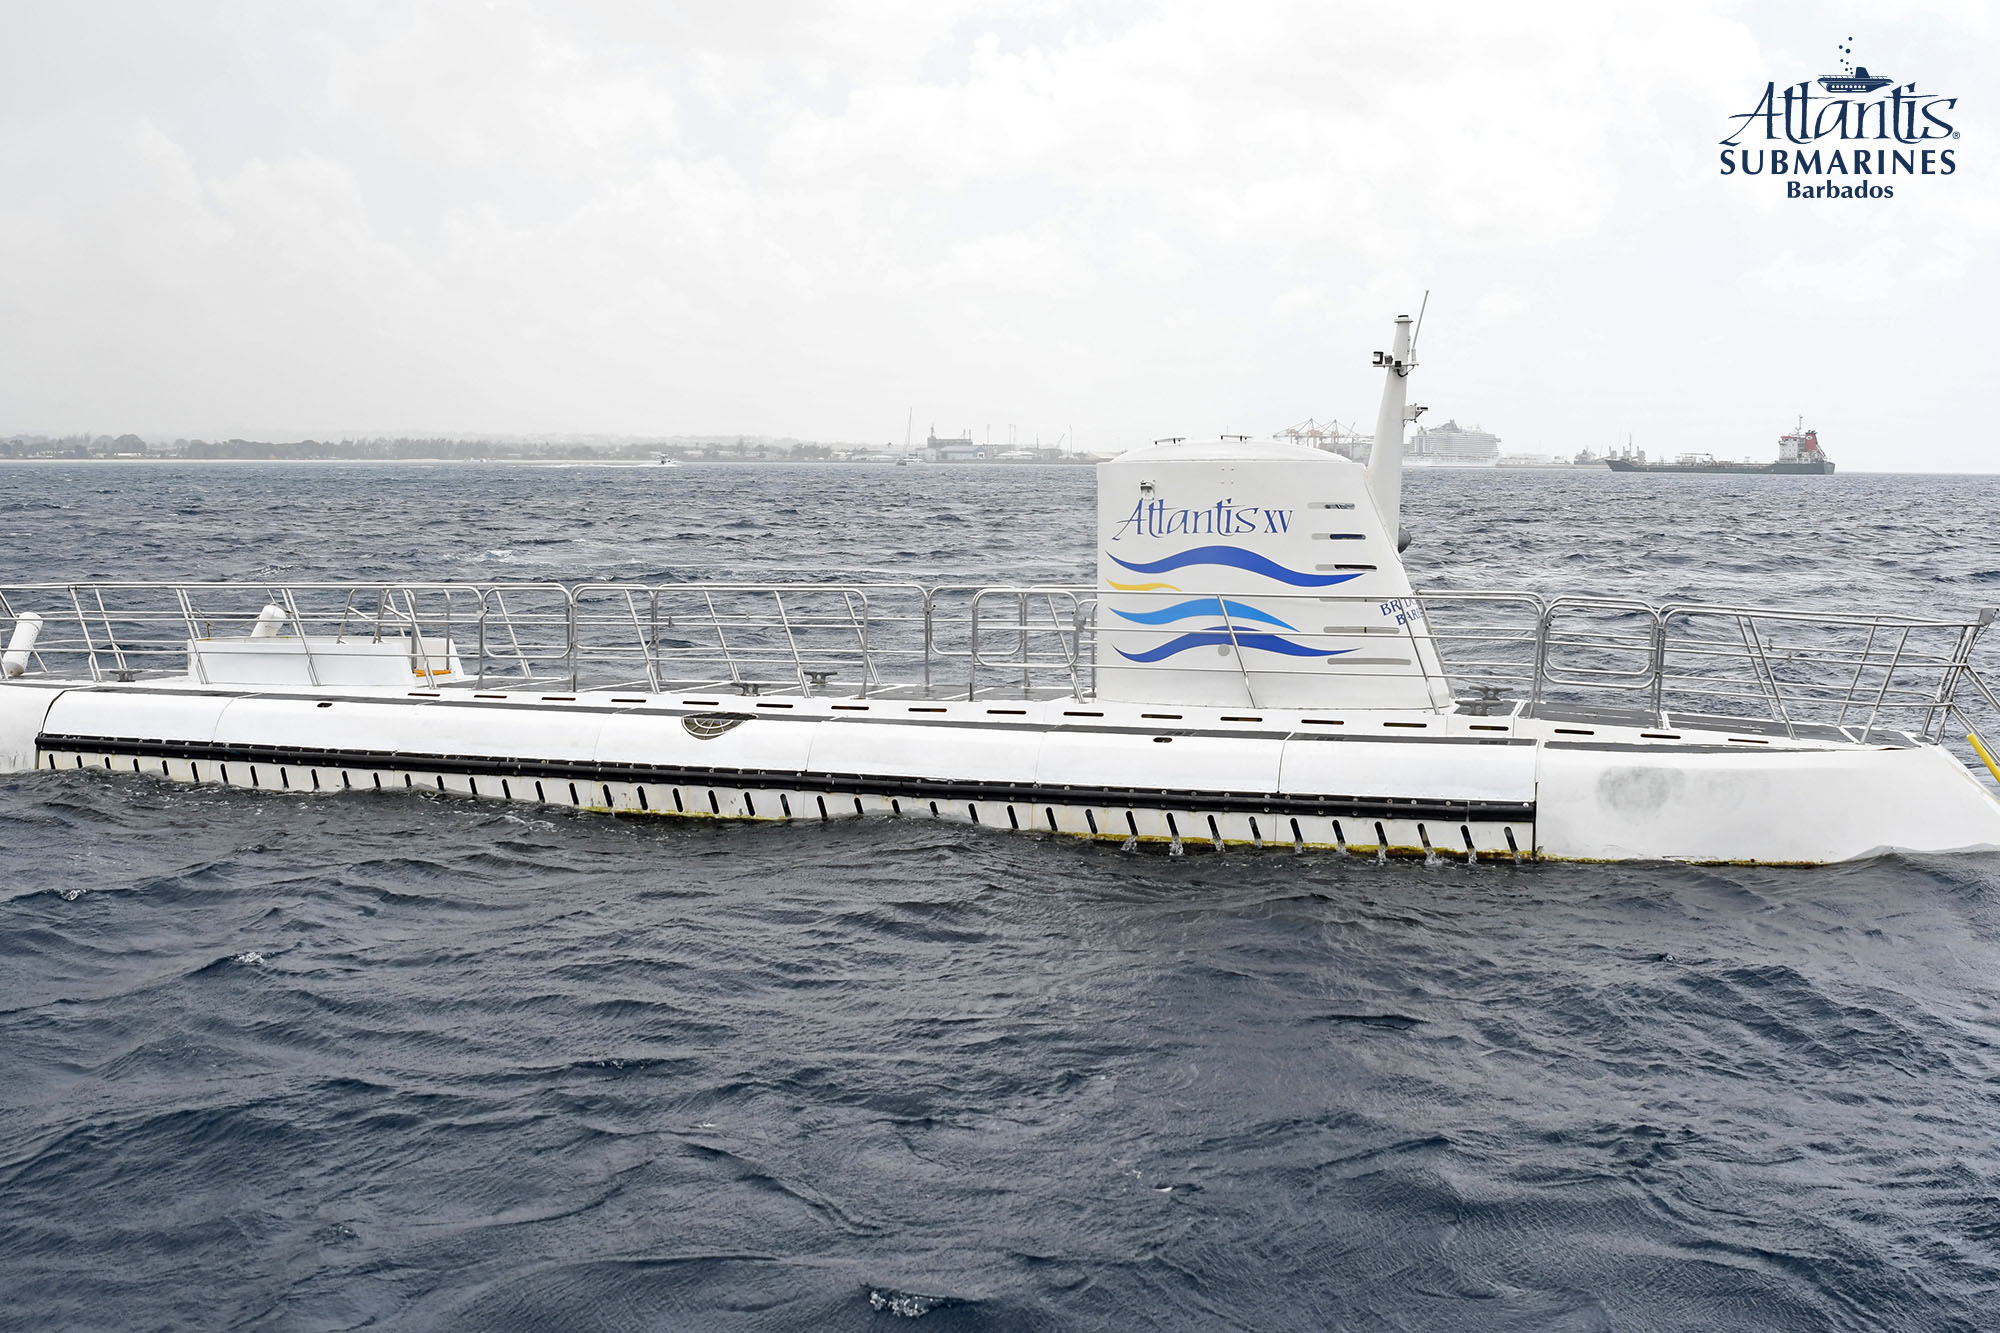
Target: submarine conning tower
1239,572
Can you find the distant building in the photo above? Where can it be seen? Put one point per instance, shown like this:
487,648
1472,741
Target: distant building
959,450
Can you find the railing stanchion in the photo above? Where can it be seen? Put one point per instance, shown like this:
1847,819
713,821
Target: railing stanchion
195,667
1236,651
1961,664
653,640
1660,669
791,639
570,652
1888,674
972,668
1760,662
116,649
1867,656
1021,621
83,628
869,675
1542,623
930,595
299,628
721,640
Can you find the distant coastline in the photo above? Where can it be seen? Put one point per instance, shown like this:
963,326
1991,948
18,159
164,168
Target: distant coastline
591,461
584,450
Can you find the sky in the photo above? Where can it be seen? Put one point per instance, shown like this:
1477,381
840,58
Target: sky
1100,223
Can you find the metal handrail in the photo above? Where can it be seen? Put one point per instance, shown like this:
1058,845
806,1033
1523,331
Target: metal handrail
1861,673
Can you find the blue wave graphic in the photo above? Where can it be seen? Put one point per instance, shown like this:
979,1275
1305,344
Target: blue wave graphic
1220,635
1203,606
1236,557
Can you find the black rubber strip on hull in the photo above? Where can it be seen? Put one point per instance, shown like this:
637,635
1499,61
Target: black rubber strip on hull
915,788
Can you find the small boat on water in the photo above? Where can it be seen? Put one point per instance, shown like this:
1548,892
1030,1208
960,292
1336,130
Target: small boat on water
1250,669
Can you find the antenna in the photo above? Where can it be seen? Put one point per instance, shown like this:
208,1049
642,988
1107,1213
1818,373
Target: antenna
1418,332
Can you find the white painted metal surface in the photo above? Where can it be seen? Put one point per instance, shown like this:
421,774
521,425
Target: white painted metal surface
1440,770
268,658
1616,796
1257,574
22,709
1807,806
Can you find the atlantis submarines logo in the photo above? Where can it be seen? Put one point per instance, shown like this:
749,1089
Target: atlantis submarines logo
1152,517
1848,139
1224,518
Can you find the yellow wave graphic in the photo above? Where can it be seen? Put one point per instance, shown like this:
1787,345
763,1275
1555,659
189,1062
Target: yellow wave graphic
1142,587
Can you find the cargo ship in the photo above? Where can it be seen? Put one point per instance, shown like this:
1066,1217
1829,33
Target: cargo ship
1798,452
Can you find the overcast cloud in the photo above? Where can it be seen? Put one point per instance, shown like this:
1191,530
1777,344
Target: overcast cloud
1131,220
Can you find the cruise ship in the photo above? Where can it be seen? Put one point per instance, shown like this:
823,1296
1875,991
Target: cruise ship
1452,445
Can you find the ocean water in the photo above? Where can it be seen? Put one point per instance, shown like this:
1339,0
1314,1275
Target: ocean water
414,1062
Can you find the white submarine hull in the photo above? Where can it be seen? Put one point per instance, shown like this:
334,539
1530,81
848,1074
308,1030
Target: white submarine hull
1369,782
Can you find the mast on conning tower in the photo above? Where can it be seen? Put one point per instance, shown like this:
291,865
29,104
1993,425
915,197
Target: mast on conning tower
1385,460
